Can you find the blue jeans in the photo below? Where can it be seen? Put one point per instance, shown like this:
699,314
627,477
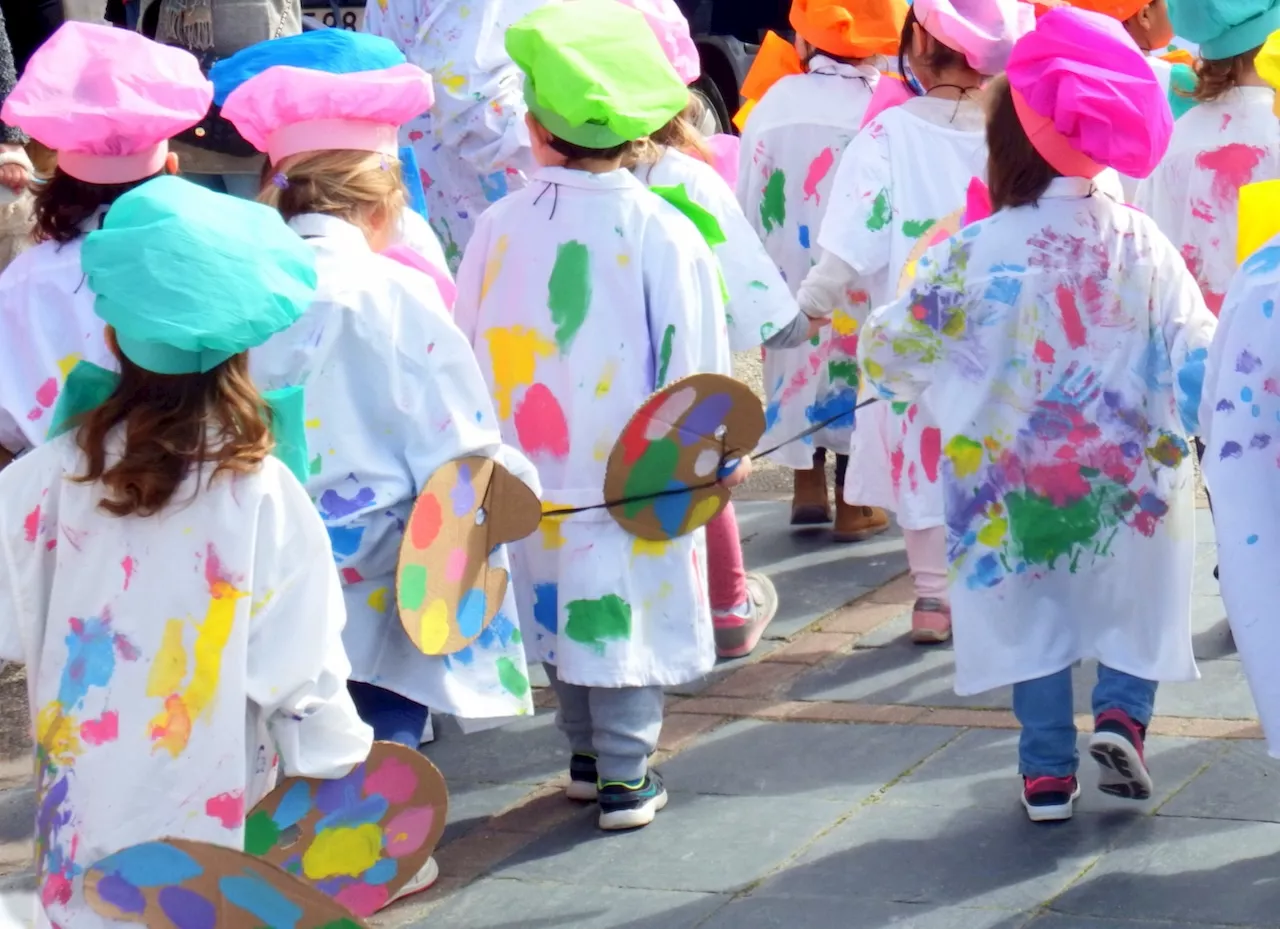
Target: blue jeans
244,186
394,718
1047,746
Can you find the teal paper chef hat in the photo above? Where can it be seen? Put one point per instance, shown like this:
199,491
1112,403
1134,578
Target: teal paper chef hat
188,278
1224,28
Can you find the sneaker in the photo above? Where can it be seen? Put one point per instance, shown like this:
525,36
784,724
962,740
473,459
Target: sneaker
930,622
1049,799
737,635
1117,747
858,523
810,503
425,879
630,806
582,778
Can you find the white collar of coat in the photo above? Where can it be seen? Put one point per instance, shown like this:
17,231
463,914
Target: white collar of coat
568,177
1067,188
821,64
321,226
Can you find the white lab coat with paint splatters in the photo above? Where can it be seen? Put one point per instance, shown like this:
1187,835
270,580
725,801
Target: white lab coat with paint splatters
1062,346
473,145
1240,420
169,658
909,168
47,324
760,303
792,143
392,393
583,294
1194,193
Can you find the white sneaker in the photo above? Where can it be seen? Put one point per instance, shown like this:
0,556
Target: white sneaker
423,880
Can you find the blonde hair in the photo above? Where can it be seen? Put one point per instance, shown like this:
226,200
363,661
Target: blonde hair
364,188
680,133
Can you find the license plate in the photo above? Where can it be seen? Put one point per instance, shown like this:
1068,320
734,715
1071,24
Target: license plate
352,18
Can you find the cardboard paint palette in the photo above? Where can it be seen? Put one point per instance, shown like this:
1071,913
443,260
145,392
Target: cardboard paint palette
940,231
176,884
674,449
357,840
446,591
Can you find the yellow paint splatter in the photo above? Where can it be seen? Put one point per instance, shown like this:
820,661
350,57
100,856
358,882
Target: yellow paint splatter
605,384
551,526
703,512
259,605
312,424
493,267
965,455
343,852
645,548
514,353
452,81
169,669
873,368
843,324
378,600
171,730
433,627
211,639
623,259
66,364
993,533
57,734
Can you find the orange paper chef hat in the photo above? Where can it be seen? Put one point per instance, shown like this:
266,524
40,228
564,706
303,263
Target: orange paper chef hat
1117,9
850,28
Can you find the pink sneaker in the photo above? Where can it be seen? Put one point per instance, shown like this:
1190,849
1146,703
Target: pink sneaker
1117,746
930,622
737,635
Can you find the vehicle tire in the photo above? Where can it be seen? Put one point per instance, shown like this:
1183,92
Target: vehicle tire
715,113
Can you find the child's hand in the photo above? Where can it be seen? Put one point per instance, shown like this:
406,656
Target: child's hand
738,475
817,324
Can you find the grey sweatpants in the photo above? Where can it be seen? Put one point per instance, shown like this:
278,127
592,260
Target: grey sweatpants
619,725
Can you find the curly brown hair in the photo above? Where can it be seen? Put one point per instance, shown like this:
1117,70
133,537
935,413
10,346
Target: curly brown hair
1215,78
1017,175
63,203
171,425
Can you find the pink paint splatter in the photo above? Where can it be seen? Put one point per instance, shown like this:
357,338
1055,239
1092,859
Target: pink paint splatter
895,467
1232,167
931,452
363,899
1201,210
31,525
394,781
227,808
351,576
101,731
1271,386
1044,352
540,423
47,393
415,135
1072,324
819,168
128,564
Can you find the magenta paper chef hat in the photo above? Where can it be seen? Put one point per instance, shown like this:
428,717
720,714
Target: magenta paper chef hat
984,30
672,30
286,110
1087,98
107,101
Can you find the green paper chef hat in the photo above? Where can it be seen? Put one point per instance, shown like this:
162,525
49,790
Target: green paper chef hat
595,74
189,278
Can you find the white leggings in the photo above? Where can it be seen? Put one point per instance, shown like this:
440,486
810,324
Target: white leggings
927,558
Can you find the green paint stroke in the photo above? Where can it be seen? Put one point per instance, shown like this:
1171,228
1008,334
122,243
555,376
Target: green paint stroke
652,474
1043,531
881,212
260,833
664,356
914,228
413,586
773,208
595,623
846,371
512,678
569,291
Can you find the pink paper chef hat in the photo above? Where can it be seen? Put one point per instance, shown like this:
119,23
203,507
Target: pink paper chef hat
725,152
672,30
984,30
1087,98
285,110
108,101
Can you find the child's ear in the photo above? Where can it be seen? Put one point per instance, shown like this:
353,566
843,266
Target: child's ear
171,163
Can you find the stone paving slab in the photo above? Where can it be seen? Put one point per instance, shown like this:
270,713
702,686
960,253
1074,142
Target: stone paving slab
1240,783
508,904
781,911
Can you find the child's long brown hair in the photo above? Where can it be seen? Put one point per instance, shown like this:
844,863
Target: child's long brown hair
171,425
1215,78
1017,175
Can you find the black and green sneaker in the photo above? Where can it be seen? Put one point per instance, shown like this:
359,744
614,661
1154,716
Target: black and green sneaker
582,778
630,806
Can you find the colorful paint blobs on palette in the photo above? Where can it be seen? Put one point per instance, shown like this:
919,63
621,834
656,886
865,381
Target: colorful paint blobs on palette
447,592
930,234
358,839
175,884
666,461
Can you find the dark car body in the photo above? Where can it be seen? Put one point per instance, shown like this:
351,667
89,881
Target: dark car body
727,33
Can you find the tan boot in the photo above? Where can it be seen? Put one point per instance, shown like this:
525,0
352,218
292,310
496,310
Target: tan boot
810,502
858,523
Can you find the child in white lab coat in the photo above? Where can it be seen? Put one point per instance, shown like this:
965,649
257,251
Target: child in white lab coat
1061,345
583,294
393,389
165,580
70,99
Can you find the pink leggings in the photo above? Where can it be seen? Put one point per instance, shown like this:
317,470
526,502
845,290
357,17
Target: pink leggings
927,558
726,575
